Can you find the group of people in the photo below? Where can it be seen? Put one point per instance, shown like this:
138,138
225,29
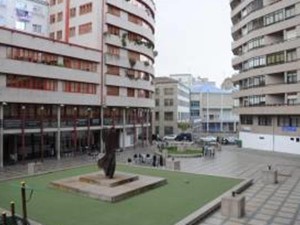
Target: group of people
154,160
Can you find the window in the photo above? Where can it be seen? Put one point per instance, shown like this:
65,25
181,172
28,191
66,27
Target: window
52,18
169,116
52,35
292,98
195,104
289,121
59,35
169,102
274,17
291,34
113,70
52,2
72,12
134,19
72,31
157,116
168,91
157,91
20,25
86,8
16,81
275,58
246,120
114,10
59,16
264,120
169,130
113,30
76,87
113,50
85,28
112,90
290,12
37,28
291,77
130,92
291,55
157,102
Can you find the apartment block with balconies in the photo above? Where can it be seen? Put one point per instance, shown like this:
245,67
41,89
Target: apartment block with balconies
266,46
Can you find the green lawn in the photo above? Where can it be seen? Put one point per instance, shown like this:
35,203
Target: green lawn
165,205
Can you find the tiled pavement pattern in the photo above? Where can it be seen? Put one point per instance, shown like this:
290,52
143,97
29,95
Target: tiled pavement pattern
265,204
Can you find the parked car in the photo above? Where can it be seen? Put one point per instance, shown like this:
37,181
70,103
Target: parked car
184,137
229,140
170,137
208,139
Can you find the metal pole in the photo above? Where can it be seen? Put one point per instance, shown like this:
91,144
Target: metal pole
23,133
89,128
75,130
207,112
24,207
12,209
221,127
1,137
4,221
58,137
42,135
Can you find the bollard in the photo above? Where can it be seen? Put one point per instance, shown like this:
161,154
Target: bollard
233,194
23,195
12,209
4,221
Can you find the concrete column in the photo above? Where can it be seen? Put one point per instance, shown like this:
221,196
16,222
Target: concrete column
101,131
58,134
124,128
1,137
147,129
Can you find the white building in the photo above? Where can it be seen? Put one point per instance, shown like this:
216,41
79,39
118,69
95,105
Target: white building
25,15
172,105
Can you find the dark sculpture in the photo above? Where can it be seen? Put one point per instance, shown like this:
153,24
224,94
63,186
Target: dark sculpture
108,161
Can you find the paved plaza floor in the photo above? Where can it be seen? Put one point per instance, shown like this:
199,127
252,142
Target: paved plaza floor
265,204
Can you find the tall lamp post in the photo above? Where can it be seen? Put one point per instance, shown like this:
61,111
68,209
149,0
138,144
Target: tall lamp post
42,133
23,132
89,110
75,129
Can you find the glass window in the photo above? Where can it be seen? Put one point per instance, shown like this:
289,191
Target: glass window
20,25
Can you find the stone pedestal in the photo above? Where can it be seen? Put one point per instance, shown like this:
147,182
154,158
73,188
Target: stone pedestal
173,164
165,156
269,176
34,167
233,206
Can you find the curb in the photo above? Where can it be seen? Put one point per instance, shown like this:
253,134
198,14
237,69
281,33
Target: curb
212,206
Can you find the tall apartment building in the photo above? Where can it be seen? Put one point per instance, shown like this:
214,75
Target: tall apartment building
172,105
267,51
92,73
25,15
212,109
124,31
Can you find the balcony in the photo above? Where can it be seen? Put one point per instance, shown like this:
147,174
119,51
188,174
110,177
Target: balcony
270,109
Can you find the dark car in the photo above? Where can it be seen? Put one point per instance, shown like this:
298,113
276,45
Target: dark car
184,137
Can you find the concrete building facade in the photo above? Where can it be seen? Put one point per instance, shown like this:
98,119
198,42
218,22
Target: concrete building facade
267,51
172,106
94,71
212,109
25,15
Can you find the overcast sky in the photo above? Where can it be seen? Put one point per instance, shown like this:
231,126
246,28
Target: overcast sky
193,36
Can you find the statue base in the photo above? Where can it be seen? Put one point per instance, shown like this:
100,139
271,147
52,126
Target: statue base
97,186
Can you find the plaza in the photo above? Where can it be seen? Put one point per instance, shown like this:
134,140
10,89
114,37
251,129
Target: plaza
265,204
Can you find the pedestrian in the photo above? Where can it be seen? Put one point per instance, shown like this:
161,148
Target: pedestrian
154,161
